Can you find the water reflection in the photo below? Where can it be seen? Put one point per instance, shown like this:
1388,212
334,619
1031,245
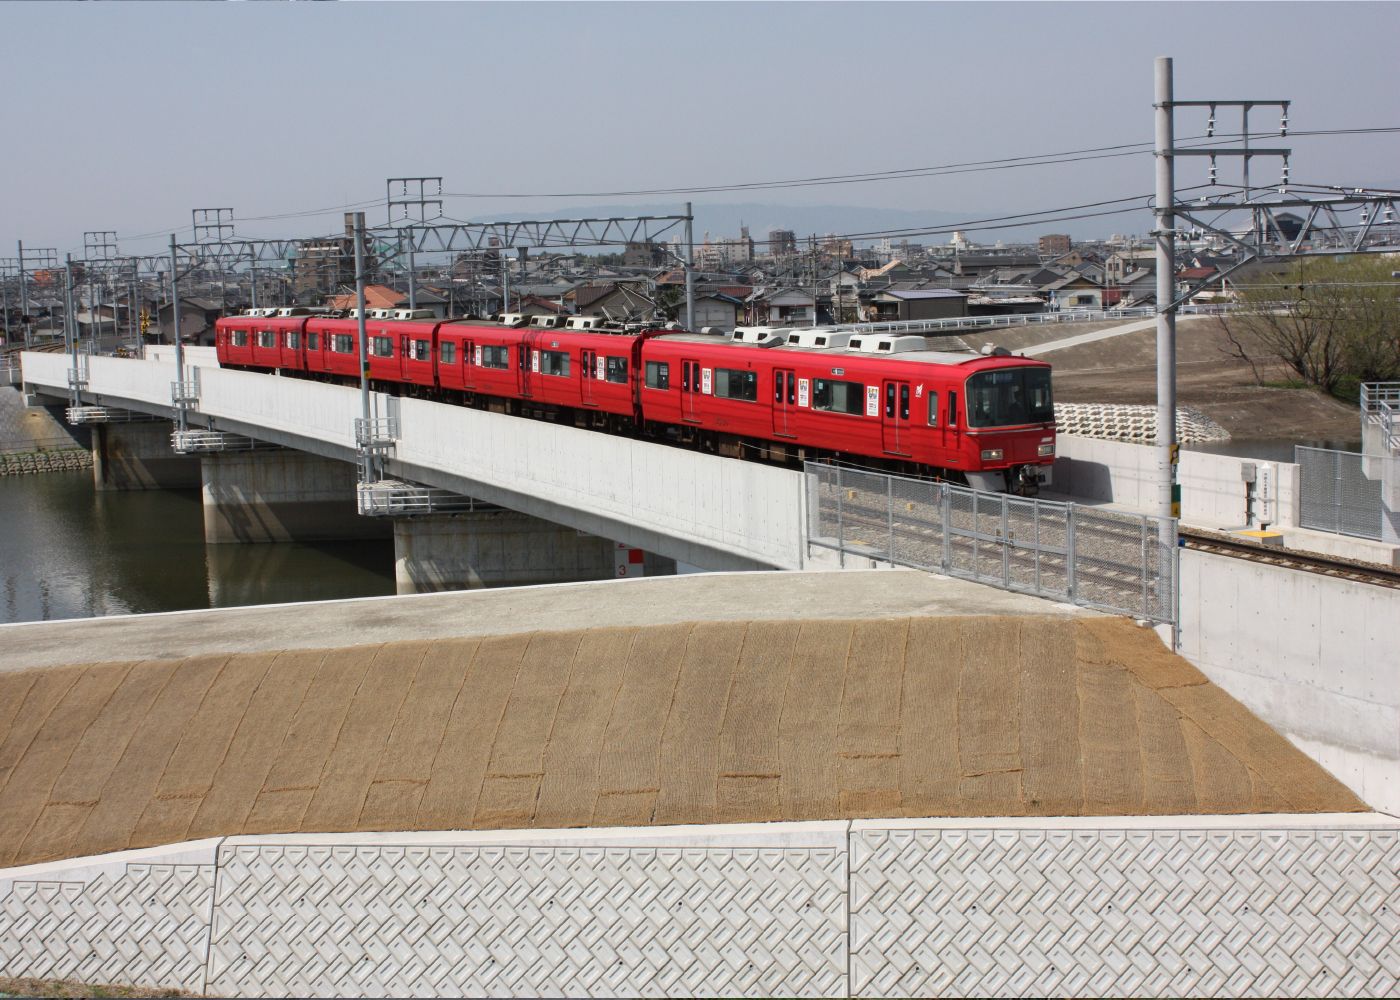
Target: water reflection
69,552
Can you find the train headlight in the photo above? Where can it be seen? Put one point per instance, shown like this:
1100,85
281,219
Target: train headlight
1046,450
991,454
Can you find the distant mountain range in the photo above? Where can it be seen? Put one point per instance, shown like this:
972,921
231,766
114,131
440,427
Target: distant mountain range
722,221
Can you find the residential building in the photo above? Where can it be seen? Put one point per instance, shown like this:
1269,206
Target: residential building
1054,244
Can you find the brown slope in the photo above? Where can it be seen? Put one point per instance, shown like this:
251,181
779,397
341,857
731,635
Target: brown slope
698,723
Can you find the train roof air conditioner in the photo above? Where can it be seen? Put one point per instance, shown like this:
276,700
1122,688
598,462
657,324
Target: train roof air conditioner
413,314
583,322
512,319
818,338
546,322
881,343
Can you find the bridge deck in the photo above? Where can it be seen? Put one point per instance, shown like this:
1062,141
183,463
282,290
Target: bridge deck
724,698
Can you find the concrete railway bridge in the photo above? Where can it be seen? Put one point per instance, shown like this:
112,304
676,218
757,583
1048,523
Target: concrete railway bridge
839,784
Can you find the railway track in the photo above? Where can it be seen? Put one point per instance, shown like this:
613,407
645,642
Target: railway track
1309,562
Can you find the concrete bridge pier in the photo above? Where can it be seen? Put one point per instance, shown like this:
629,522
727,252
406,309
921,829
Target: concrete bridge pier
495,548
281,496
138,456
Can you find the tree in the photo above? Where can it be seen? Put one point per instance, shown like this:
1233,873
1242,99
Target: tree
1335,321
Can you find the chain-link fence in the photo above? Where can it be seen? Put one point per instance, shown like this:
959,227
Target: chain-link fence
1094,558
1336,494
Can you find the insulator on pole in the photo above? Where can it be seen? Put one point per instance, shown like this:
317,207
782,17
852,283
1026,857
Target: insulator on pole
1212,170
1210,126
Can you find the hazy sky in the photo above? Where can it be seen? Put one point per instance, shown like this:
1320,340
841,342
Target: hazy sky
124,116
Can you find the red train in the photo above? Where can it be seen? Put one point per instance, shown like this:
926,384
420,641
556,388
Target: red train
781,395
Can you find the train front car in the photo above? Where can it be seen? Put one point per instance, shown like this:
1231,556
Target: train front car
1009,415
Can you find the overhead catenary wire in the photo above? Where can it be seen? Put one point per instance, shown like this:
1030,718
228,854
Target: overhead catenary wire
972,166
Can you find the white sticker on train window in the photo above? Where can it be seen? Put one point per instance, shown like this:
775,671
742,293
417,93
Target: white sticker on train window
803,386
534,361
919,391
602,367
478,357
706,380
872,400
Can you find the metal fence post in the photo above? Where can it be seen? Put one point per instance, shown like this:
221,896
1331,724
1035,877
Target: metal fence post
1035,512
1005,541
1146,610
840,524
889,510
945,502
1069,551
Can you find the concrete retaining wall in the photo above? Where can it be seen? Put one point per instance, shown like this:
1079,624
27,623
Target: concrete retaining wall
1167,906
497,548
1212,490
1313,656
278,495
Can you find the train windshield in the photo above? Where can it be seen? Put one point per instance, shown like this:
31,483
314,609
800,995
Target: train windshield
1009,396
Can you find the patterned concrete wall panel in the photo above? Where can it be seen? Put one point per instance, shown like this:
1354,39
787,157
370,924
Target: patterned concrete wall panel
749,912
1174,906
133,918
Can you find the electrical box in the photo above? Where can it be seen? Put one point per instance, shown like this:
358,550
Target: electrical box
1247,472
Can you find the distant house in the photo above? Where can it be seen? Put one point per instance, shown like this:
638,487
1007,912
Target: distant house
617,300
915,304
782,307
1073,291
384,297
197,317
718,310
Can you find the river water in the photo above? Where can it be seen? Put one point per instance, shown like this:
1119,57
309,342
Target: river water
67,551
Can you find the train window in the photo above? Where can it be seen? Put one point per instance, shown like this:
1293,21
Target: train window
1009,396
343,343
903,402
933,409
240,338
495,357
267,338
616,370
554,363
293,340
889,400
685,376
839,397
420,350
658,375
449,353
381,347
313,341
792,389
734,383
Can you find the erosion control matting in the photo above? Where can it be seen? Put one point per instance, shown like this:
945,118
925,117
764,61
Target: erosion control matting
679,723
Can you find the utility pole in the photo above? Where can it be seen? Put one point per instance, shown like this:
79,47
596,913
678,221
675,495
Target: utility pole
1168,489
7,271
45,259
24,298
366,458
70,334
175,319
411,199
689,268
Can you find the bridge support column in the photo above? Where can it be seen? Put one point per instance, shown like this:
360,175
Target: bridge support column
494,548
138,457
280,496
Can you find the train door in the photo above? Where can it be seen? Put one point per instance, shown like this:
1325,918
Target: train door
690,390
469,364
895,418
527,362
784,401
587,377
